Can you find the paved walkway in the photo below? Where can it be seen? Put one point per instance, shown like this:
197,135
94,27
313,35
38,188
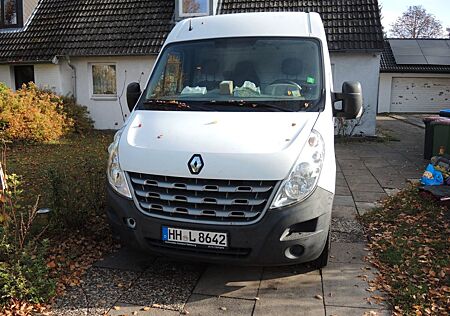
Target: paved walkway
132,284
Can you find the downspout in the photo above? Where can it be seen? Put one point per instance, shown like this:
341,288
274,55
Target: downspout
55,61
74,76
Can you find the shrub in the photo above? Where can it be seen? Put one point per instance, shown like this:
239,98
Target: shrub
24,275
32,115
79,114
75,199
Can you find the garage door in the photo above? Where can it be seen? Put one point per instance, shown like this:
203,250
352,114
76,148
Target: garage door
421,95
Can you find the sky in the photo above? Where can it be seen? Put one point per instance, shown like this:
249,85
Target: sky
392,9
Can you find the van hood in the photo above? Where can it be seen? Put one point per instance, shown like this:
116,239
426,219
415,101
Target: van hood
233,145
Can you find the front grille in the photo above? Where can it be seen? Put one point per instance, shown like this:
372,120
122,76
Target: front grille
201,199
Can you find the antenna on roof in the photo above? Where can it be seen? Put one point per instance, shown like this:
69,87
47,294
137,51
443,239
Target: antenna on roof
190,25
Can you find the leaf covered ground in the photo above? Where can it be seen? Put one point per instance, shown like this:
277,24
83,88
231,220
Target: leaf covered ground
71,251
409,238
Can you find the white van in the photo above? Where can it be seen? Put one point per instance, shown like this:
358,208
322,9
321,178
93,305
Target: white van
228,155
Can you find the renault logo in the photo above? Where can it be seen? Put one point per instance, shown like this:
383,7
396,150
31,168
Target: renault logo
195,164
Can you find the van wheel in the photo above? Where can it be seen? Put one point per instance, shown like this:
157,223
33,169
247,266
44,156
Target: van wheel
322,261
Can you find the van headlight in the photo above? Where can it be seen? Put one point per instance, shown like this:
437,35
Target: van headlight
302,179
116,176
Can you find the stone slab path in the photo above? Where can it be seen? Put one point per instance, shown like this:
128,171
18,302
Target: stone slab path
128,283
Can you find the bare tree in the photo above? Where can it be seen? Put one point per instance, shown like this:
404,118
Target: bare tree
191,6
416,22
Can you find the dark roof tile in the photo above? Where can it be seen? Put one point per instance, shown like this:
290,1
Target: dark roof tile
90,27
139,27
355,22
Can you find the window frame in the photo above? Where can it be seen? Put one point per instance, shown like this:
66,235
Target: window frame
181,15
19,13
93,95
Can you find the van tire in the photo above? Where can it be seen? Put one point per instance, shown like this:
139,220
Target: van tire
322,261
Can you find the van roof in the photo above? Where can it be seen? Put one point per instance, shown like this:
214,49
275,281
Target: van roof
284,24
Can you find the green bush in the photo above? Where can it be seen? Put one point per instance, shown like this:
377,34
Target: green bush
79,114
31,115
74,198
24,275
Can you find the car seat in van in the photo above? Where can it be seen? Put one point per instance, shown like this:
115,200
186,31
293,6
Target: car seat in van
244,71
208,72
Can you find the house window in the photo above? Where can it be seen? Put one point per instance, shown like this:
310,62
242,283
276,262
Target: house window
11,14
23,75
191,8
104,80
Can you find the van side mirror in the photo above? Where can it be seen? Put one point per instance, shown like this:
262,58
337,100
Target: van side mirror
133,94
352,101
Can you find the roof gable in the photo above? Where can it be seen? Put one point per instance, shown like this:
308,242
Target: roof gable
139,27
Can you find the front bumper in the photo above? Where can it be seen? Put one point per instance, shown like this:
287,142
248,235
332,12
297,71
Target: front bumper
263,243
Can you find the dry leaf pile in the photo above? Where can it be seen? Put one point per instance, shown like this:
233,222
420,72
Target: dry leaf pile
409,239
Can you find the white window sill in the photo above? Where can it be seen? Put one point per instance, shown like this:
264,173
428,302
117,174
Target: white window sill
104,97
192,15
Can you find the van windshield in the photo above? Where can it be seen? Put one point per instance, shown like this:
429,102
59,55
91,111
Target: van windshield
237,74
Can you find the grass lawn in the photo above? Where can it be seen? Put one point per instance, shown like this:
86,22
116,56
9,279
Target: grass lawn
409,238
75,155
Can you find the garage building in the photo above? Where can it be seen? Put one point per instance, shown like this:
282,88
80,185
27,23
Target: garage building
414,76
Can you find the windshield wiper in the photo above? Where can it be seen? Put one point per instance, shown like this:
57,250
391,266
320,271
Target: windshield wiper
248,104
178,105
171,103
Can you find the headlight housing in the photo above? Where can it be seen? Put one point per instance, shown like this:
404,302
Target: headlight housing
302,179
116,176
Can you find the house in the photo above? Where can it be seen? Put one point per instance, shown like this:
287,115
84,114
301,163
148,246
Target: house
415,76
93,49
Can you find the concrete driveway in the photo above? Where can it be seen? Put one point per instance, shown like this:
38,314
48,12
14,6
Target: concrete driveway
128,283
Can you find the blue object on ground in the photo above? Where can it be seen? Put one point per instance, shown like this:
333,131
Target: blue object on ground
431,176
444,113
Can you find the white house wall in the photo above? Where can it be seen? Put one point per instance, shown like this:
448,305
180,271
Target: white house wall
48,76
107,112
365,68
5,75
385,92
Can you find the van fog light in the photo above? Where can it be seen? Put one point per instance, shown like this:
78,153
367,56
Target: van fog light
302,179
131,222
294,252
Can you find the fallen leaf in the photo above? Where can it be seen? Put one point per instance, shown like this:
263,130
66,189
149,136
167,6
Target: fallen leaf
51,265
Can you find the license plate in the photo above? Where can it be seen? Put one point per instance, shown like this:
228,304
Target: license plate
194,237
